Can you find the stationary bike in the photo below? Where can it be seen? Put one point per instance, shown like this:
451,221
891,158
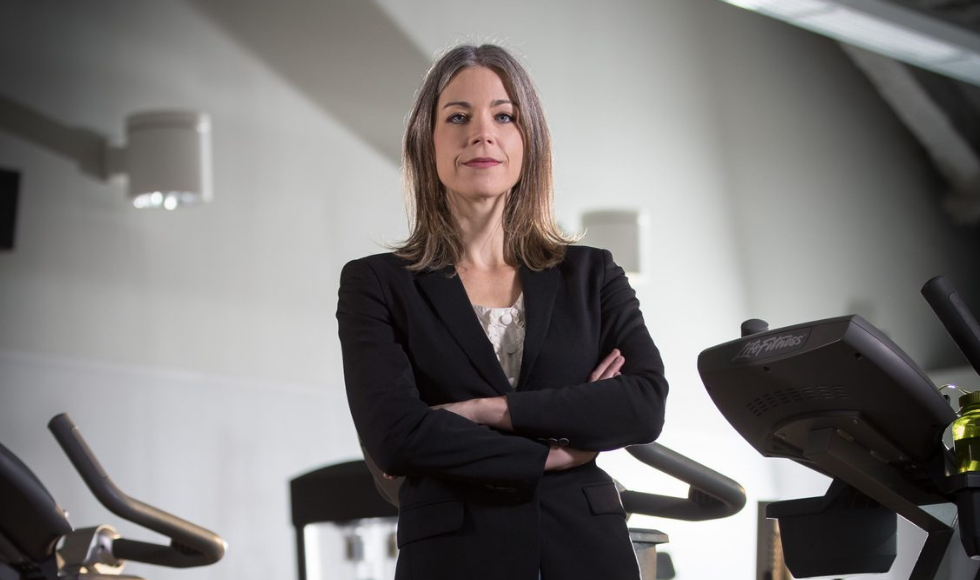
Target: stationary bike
33,525
839,397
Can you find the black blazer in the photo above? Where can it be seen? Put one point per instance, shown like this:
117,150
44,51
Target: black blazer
476,502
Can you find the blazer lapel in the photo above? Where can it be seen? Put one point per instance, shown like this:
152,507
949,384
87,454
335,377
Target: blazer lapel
450,302
540,289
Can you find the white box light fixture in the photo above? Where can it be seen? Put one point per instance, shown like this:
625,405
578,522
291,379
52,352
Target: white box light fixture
621,231
167,159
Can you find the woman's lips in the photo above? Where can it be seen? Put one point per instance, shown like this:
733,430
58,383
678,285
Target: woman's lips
482,162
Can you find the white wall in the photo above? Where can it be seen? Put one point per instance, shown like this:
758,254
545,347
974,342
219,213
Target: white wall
835,209
195,349
735,133
243,287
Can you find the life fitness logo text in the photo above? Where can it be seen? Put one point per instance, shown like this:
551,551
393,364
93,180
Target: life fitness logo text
772,345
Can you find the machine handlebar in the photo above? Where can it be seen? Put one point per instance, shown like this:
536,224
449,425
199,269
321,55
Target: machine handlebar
190,546
955,316
711,495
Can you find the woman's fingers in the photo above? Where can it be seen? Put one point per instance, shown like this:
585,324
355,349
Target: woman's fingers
615,368
609,367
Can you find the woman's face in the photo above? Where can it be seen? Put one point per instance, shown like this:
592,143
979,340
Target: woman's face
479,147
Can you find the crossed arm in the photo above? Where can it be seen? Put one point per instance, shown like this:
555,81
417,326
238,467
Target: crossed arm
495,412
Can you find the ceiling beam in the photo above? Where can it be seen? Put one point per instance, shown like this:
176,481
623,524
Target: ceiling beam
347,56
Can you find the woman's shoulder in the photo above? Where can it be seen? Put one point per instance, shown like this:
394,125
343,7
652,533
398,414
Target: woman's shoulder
586,262
382,259
384,265
578,254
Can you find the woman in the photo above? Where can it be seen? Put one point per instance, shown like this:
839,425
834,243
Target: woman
486,360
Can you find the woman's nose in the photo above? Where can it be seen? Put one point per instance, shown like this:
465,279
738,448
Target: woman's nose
483,131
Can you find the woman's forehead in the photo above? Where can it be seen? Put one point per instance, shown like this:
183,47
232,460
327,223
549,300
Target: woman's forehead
476,81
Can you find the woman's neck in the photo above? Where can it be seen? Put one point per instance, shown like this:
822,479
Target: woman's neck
481,230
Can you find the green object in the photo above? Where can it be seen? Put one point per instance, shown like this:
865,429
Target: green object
966,434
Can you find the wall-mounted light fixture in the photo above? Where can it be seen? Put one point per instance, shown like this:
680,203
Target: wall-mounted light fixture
167,159
167,156
621,231
887,28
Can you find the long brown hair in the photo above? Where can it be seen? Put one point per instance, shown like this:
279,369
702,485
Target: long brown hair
531,236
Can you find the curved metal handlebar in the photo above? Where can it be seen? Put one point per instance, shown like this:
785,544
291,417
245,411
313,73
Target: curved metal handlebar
711,496
191,545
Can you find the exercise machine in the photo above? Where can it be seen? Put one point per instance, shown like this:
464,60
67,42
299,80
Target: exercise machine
38,543
362,505
839,397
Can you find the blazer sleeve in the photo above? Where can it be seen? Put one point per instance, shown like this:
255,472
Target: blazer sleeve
399,430
607,414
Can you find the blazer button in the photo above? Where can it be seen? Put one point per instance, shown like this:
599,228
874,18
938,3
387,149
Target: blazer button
552,441
563,442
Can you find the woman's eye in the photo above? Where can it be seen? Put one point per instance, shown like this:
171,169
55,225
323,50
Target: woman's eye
457,118
505,118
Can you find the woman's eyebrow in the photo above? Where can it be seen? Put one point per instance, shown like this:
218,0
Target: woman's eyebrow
466,105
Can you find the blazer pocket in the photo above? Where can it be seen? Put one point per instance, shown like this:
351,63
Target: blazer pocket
604,498
427,520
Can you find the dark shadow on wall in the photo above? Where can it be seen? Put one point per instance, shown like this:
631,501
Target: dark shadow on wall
346,56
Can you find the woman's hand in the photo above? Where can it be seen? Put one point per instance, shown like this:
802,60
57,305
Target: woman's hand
609,367
561,458
490,411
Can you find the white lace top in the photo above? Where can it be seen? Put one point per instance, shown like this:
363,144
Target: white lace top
505,329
